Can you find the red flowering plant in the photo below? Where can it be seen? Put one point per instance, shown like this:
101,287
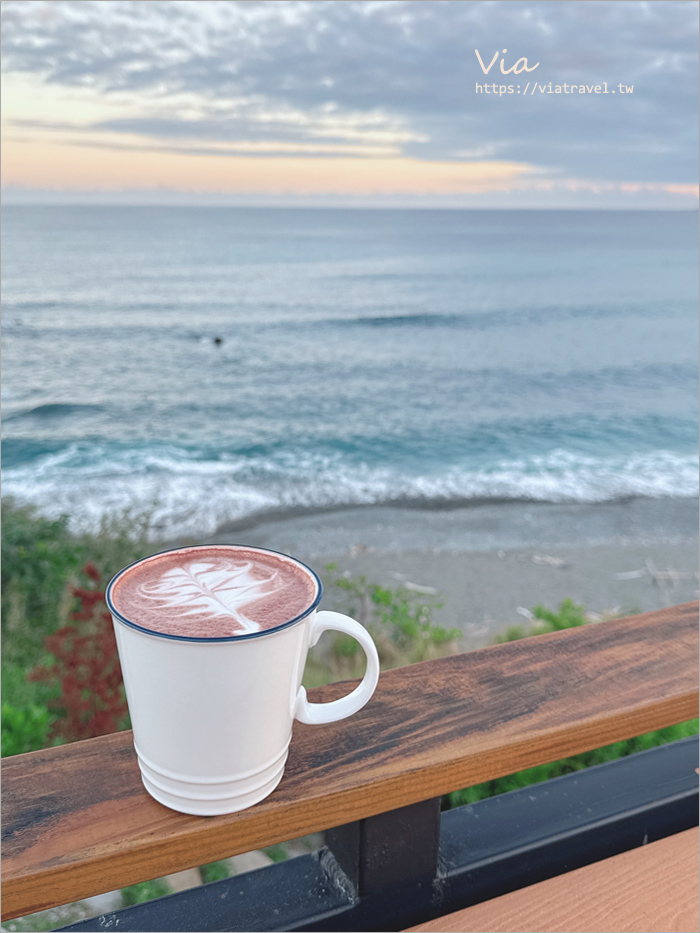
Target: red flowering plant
86,668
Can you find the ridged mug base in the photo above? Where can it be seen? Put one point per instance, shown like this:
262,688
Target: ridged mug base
207,799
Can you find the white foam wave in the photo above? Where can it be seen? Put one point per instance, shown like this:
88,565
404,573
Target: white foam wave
190,496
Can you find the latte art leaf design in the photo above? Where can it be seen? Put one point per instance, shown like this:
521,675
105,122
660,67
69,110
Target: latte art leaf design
212,587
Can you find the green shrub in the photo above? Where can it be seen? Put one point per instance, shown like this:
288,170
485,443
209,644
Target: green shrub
20,692
569,615
399,619
39,557
214,871
277,853
24,730
20,702
41,561
407,618
120,540
145,891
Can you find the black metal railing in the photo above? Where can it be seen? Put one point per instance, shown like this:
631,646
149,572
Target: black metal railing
413,864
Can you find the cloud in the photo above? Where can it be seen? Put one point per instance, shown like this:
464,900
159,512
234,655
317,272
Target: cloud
377,77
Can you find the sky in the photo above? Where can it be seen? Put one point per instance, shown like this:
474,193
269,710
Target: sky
352,102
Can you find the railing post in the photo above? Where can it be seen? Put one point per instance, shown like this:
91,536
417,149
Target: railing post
397,847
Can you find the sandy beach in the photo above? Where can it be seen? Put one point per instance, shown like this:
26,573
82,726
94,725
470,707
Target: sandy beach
488,562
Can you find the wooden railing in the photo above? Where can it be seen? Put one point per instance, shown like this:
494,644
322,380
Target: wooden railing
76,820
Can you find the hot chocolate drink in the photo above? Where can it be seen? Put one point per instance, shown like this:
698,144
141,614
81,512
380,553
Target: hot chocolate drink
213,592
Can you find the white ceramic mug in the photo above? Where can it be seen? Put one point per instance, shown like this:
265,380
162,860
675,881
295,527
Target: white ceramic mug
212,717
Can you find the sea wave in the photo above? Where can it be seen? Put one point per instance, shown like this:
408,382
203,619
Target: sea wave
188,493
53,410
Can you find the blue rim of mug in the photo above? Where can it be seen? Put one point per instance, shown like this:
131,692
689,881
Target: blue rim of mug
201,638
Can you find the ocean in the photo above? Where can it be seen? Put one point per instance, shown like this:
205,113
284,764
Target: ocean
214,364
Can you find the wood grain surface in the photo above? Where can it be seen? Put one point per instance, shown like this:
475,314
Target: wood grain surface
651,889
76,820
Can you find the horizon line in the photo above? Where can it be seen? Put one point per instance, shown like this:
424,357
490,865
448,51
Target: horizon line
349,207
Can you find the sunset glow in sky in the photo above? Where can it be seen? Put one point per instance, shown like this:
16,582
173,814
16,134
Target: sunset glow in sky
345,102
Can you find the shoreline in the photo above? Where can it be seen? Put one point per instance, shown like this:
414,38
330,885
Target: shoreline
488,562
470,524
402,504
267,516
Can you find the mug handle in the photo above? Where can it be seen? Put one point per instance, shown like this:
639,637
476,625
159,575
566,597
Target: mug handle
314,714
